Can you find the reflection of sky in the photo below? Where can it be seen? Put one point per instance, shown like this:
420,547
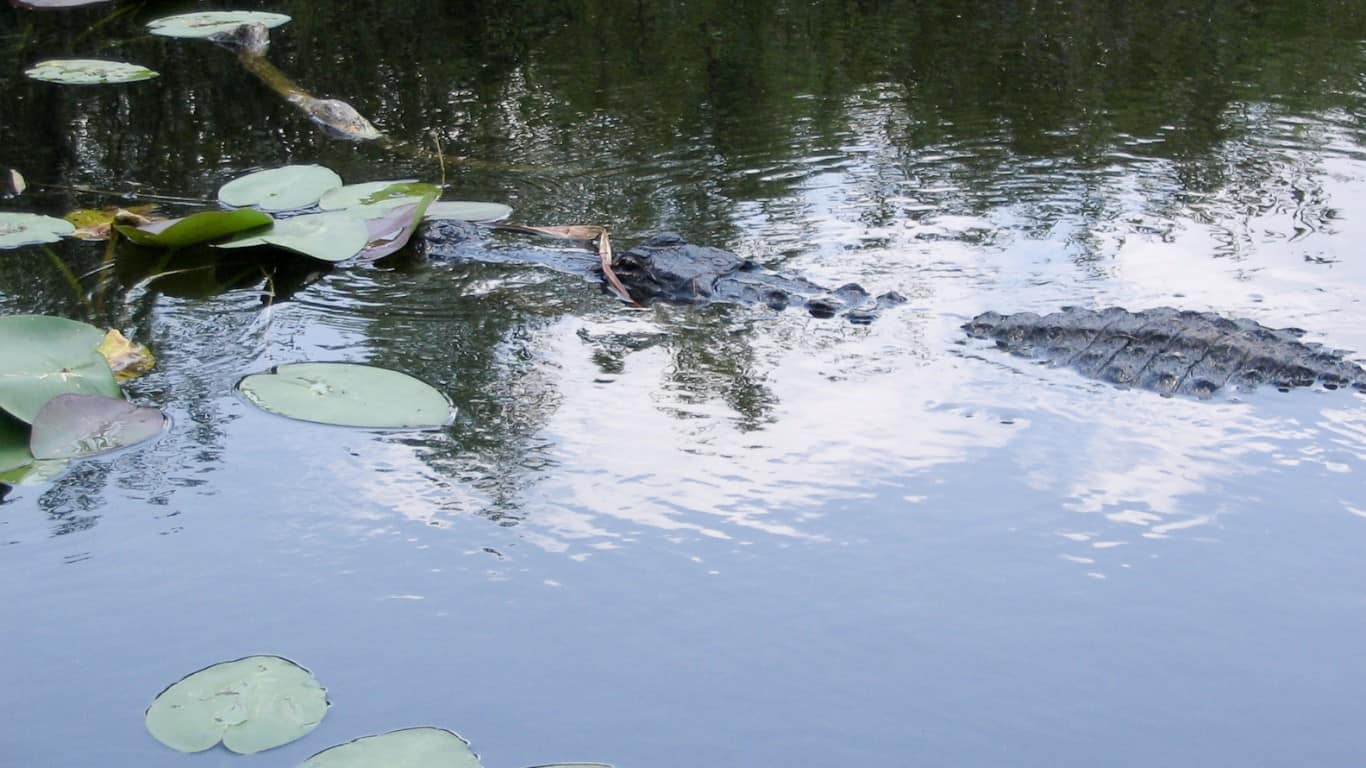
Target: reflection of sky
859,409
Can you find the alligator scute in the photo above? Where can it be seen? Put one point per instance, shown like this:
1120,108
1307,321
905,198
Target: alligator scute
1170,351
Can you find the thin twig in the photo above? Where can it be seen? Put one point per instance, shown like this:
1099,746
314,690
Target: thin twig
440,158
125,195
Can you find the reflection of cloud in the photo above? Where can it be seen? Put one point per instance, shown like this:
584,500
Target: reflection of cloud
625,460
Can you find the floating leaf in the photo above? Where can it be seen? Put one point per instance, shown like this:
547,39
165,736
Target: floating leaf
394,216
205,24
371,193
391,230
127,359
467,211
408,748
13,444
53,5
250,704
287,188
88,72
35,473
196,228
348,395
334,236
49,356
75,426
19,229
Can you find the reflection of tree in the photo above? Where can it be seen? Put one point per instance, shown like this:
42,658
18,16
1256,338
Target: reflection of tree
491,352
703,117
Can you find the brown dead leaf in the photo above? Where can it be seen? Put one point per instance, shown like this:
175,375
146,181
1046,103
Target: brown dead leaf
587,232
95,223
127,359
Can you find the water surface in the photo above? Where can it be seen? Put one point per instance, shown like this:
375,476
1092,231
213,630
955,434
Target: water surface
725,536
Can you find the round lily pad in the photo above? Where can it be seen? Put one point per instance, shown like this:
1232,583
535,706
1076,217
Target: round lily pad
372,193
287,188
48,356
88,72
52,5
206,24
334,236
467,211
20,229
347,394
76,426
250,704
408,748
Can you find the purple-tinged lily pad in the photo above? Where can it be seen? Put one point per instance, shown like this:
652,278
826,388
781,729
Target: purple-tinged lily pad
73,426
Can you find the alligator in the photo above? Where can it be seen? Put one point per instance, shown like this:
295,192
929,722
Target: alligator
667,268
1170,351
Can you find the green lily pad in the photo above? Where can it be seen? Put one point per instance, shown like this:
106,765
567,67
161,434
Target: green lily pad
88,72
347,394
408,748
195,228
467,211
20,229
287,188
372,193
205,24
13,444
49,356
37,473
250,704
334,236
76,426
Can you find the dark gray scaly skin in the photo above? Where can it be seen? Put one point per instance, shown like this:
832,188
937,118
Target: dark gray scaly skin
1169,350
667,268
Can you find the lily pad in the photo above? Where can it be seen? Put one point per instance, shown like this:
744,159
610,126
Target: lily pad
347,394
76,426
20,229
287,188
393,217
53,5
195,229
334,236
408,748
37,473
49,356
467,211
13,444
205,24
88,72
370,193
250,704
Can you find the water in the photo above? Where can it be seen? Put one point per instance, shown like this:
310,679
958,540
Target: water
724,536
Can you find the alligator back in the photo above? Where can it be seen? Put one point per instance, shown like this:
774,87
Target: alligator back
1169,350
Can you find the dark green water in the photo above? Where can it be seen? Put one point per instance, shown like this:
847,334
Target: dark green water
724,536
